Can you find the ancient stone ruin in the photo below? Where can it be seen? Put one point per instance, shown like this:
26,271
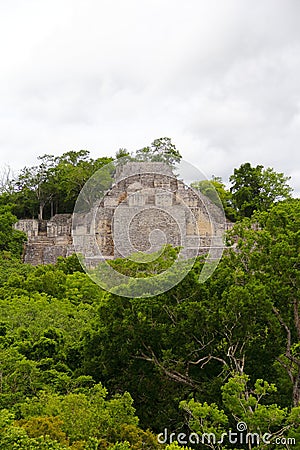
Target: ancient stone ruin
47,240
146,207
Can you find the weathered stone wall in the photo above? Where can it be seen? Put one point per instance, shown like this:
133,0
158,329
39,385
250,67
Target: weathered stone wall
47,240
28,226
132,168
145,208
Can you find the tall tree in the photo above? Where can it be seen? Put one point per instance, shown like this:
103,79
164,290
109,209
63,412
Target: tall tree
254,423
71,173
35,182
268,249
54,184
256,188
160,150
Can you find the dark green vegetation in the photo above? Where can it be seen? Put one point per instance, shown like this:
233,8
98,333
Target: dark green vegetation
81,368
54,184
252,189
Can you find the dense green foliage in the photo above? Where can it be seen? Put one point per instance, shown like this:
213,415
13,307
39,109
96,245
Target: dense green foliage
52,186
84,369
11,240
161,150
252,189
256,188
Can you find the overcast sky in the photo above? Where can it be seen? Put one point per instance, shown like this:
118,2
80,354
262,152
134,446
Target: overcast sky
220,78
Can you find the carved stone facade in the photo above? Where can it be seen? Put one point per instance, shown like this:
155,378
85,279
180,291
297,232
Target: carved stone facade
47,240
146,207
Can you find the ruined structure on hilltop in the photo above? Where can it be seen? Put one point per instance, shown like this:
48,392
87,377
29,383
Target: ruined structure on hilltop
47,239
146,207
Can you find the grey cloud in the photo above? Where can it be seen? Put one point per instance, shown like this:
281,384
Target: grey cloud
220,78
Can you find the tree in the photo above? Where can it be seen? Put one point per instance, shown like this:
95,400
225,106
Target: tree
36,182
6,176
267,254
15,437
11,240
123,153
249,419
160,150
256,189
83,416
54,184
36,427
72,172
216,191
